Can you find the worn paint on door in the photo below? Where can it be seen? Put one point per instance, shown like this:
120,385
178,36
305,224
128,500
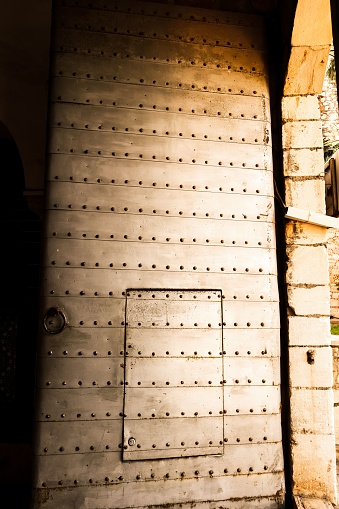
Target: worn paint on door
159,183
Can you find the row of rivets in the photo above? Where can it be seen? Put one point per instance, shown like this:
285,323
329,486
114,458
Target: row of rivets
180,186
153,239
111,294
196,382
210,65
195,414
154,266
166,476
166,84
150,158
153,324
154,184
181,109
121,8
149,35
166,133
154,446
153,354
167,212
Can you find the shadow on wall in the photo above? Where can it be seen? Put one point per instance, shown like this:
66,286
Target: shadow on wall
19,276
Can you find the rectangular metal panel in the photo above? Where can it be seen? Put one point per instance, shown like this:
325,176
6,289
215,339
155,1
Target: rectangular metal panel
184,490
70,90
164,389
242,462
246,287
136,146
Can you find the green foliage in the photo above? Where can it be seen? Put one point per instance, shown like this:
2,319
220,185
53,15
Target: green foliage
335,329
330,73
330,147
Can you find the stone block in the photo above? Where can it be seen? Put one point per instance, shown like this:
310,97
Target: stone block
306,70
311,503
302,134
300,107
303,162
306,194
316,375
307,265
304,233
309,301
336,422
308,331
314,465
312,411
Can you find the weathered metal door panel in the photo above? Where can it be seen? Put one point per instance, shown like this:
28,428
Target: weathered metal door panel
173,402
159,179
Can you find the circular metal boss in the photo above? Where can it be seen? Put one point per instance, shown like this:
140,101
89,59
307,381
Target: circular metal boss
54,320
131,441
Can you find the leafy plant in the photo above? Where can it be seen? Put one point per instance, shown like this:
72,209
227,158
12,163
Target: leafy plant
330,72
330,147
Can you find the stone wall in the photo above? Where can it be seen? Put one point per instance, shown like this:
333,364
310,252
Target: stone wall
328,105
329,115
310,353
333,260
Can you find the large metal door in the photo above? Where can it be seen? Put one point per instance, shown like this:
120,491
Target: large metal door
159,359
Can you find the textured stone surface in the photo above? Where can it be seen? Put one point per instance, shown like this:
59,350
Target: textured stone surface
316,375
307,265
314,469
333,259
309,301
311,503
303,162
312,410
307,331
299,233
302,134
305,194
300,108
312,446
